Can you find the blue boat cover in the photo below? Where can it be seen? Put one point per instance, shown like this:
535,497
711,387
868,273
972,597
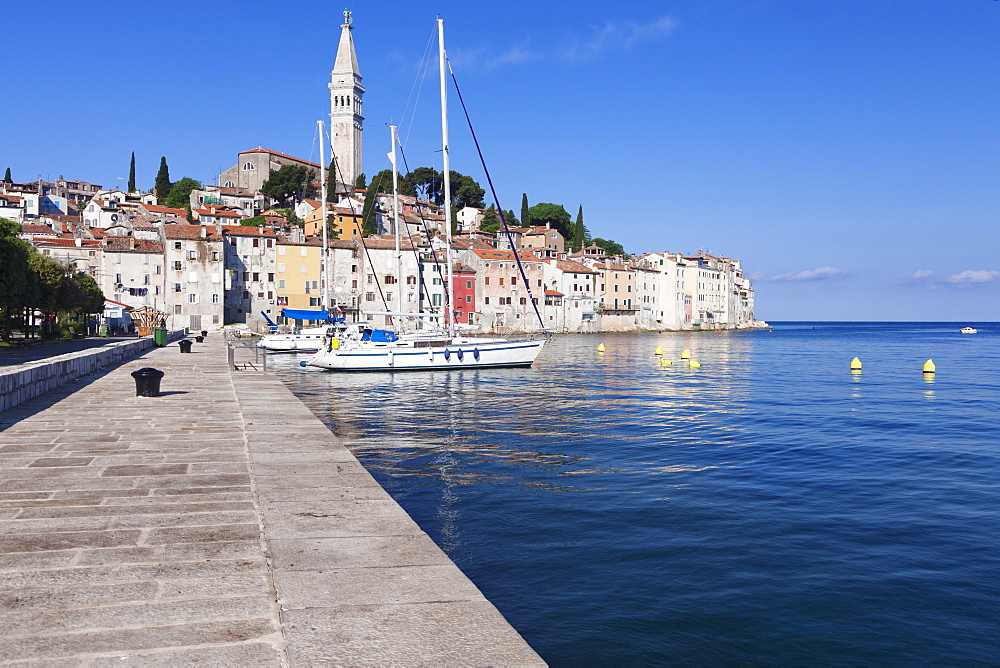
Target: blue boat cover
305,314
379,336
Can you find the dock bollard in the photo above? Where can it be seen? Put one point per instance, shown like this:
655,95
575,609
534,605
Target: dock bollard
147,382
204,333
185,345
200,339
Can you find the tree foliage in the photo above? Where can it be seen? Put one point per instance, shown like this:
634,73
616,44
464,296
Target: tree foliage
180,192
525,211
131,174
33,282
256,221
490,222
552,214
612,247
6,176
360,182
580,235
369,224
289,182
511,219
162,181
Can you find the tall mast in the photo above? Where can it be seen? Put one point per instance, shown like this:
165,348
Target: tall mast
395,218
447,179
324,252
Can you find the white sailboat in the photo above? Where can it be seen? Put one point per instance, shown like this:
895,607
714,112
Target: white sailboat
368,349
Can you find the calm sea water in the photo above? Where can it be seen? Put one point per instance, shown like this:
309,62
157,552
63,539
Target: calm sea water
767,508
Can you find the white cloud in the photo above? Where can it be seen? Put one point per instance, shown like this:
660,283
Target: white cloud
820,274
483,59
619,36
921,274
972,277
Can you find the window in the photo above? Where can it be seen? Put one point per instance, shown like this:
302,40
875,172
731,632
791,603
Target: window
370,296
256,276
468,299
486,300
303,270
145,279
118,258
314,301
486,280
302,251
178,265
192,255
281,284
177,245
501,280
177,287
193,298
215,299
145,258
256,243
248,166
354,284
281,250
513,280
118,278
468,285
177,309
524,301
156,270
270,277
281,267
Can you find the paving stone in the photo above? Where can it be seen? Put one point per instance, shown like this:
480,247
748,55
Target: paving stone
40,598
368,517
145,470
61,461
193,569
22,561
249,654
203,534
219,586
455,634
137,639
68,539
300,554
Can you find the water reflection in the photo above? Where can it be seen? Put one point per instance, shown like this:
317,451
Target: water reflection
576,415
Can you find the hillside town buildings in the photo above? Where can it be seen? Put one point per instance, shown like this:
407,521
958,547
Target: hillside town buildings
204,268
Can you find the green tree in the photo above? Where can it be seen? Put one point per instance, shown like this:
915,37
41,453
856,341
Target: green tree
511,219
525,212
360,182
369,224
552,214
6,176
612,247
284,184
579,232
331,181
256,221
163,184
51,276
17,280
131,174
424,183
93,296
180,192
490,222
465,191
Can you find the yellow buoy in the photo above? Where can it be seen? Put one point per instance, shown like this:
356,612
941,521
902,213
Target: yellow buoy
694,364
600,348
686,355
658,351
855,364
665,362
929,366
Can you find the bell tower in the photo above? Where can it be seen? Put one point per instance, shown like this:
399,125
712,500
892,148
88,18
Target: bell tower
346,120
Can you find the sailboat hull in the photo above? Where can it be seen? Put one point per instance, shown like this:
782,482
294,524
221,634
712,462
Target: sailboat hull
471,355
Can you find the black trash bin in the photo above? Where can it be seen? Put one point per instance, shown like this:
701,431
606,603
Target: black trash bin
185,345
147,382
204,332
200,339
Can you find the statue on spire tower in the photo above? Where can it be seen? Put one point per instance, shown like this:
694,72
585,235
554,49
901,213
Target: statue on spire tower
347,17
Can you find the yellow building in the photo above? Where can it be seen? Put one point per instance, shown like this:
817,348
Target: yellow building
345,222
298,279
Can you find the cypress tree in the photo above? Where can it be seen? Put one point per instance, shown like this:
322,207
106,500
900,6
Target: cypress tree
369,225
331,181
525,215
131,174
578,234
163,181
6,177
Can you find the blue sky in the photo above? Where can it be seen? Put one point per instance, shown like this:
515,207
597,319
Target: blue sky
847,151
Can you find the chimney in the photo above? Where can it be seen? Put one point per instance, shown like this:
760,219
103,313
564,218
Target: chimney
204,232
79,242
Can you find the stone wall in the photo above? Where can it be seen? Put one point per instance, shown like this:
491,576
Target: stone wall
31,379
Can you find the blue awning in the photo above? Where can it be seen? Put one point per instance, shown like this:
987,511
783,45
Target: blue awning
305,314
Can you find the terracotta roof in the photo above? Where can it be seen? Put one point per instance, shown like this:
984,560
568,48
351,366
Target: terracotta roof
119,244
37,229
493,254
264,150
247,231
555,293
156,208
217,212
68,242
572,266
179,232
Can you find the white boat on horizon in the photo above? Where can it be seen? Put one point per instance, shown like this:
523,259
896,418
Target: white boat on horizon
969,330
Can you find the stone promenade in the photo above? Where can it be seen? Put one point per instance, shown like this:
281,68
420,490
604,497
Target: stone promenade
220,524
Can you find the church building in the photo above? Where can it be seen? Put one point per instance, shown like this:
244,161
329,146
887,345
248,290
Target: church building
254,166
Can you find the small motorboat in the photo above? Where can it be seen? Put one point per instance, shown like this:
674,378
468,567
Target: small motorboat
968,330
